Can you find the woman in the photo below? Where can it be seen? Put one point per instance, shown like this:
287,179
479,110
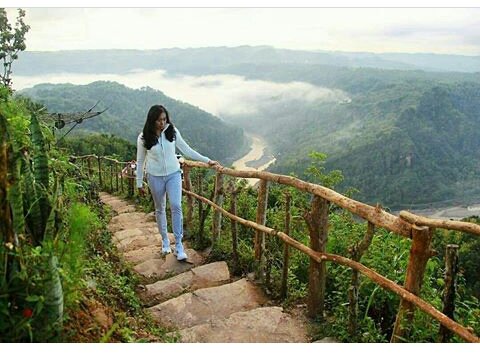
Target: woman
156,146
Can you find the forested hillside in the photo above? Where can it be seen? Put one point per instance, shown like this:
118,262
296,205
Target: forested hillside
398,147
127,110
86,143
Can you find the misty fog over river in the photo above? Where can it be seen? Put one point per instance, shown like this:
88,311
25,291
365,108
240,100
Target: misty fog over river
226,96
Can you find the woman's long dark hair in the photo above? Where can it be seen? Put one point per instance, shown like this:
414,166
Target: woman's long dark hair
149,133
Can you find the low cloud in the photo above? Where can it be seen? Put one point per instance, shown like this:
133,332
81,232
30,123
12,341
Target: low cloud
222,95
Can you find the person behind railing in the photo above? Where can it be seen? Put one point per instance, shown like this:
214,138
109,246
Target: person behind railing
156,147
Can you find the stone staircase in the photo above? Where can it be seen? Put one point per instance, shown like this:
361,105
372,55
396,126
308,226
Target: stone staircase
199,302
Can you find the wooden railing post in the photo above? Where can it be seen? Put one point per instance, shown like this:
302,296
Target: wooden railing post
117,172
317,222
100,181
451,262
286,248
261,219
420,252
111,175
234,227
201,211
121,177
357,252
187,184
90,171
131,180
218,200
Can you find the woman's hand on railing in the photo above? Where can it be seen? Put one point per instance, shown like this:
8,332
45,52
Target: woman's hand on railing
214,163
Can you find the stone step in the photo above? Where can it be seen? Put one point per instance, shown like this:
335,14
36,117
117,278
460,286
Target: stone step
114,201
168,266
263,324
203,276
120,236
143,254
136,242
105,196
119,205
126,233
130,220
204,305
125,209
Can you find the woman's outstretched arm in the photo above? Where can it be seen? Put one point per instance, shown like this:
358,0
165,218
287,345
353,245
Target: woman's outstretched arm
187,150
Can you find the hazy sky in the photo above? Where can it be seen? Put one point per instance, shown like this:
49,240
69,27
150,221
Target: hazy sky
434,30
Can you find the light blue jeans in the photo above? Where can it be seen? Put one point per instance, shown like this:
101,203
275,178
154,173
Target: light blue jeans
160,187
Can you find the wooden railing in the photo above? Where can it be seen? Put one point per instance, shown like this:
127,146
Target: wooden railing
419,229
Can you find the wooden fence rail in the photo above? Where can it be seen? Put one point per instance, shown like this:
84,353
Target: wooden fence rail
417,228
372,275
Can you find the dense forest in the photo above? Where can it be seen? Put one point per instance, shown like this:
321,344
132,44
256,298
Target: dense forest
126,113
86,143
411,144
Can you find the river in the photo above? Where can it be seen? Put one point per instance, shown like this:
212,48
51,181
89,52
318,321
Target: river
450,212
256,159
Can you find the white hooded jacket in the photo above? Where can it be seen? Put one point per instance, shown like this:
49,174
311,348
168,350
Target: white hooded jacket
161,159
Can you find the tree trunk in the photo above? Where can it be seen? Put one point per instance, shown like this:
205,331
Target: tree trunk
451,262
357,252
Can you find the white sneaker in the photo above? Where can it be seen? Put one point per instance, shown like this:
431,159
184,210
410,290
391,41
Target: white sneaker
182,256
166,247
180,253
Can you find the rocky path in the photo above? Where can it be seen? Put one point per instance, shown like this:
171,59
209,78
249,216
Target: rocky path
200,302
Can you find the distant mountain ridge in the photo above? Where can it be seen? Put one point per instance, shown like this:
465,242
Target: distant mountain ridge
192,60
